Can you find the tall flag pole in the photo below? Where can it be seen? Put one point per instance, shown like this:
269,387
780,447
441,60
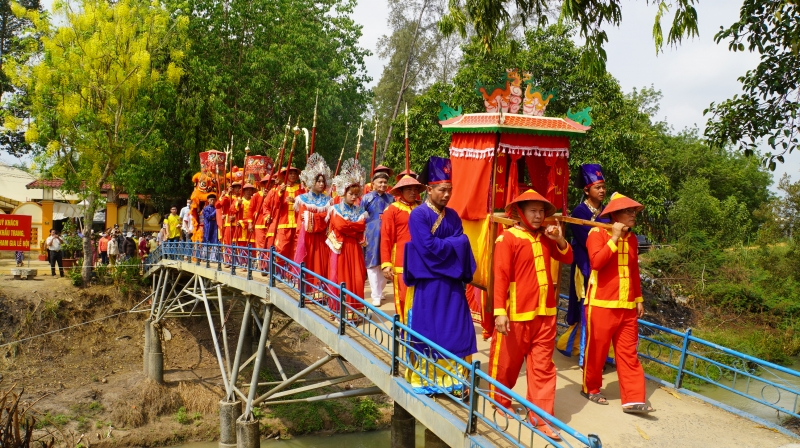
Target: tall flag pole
314,126
358,142
295,131
408,160
341,154
374,147
287,128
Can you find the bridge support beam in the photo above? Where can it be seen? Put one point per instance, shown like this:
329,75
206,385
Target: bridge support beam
229,411
248,434
403,428
433,441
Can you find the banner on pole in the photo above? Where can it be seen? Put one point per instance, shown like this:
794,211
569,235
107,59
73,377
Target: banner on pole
15,232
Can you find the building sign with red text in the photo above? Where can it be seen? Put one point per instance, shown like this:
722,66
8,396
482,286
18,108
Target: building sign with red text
15,232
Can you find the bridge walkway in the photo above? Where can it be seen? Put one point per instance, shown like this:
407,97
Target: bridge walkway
680,420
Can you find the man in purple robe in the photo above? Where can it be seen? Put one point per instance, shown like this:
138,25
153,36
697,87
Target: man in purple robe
210,232
593,184
438,263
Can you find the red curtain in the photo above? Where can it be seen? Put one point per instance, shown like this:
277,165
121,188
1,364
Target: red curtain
471,156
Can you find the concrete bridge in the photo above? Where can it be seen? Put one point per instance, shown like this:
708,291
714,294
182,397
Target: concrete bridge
190,280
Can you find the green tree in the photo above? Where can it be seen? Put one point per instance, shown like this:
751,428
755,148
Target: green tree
15,44
251,66
725,222
94,92
769,104
490,18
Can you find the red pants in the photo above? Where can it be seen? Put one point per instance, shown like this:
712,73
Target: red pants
620,326
532,341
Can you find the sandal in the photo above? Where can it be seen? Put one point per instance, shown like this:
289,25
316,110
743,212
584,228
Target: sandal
637,409
595,398
548,431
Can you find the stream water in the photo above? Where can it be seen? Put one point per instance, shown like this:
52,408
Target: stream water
371,439
758,389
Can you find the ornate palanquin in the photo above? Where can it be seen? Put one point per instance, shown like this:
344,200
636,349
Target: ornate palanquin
498,155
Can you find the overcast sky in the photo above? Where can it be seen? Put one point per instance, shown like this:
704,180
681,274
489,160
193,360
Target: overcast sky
689,76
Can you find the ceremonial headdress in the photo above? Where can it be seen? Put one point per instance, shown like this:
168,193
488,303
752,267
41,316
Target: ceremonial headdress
621,202
591,173
351,174
406,181
438,170
513,208
315,167
405,173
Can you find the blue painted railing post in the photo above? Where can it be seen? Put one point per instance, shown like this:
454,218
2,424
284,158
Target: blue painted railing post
233,259
342,310
249,263
472,422
207,249
198,254
302,300
682,362
272,267
219,256
395,366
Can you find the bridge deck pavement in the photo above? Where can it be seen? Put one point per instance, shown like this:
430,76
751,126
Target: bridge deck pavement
680,421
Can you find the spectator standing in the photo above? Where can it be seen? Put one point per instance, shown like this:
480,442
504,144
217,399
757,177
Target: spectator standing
130,246
113,250
102,247
53,244
173,222
186,231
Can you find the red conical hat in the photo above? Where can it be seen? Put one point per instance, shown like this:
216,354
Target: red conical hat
405,173
406,181
294,168
530,195
246,186
385,169
620,202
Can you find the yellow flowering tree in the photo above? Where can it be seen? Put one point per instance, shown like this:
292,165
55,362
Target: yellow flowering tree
96,89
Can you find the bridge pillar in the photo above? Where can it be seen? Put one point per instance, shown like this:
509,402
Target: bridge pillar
247,433
156,358
147,346
229,411
433,441
403,428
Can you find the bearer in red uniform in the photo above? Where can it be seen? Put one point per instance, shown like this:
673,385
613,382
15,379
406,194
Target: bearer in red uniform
257,219
244,222
525,303
615,304
227,206
395,235
286,231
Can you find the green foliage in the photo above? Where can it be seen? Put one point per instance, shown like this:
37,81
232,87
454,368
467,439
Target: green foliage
185,418
489,19
696,210
73,244
75,275
768,106
366,414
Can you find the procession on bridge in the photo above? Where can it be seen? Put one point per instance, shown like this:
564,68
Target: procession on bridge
451,259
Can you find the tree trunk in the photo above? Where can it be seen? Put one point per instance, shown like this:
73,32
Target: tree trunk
403,86
88,217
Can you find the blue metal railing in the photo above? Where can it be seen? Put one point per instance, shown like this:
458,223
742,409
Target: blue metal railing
403,345
760,382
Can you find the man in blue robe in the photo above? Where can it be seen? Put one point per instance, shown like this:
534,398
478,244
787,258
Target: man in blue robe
210,231
593,184
438,263
375,203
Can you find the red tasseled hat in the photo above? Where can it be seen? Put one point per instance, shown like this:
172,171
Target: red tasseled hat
620,202
385,169
246,186
405,173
